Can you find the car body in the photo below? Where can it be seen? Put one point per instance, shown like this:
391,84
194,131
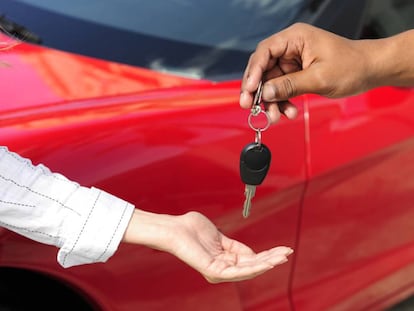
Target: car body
339,191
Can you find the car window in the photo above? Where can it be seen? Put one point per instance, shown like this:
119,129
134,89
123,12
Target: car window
385,18
207,39
235,24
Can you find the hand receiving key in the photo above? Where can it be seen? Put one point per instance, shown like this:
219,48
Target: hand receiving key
255,157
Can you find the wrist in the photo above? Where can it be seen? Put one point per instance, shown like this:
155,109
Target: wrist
375,70
151,230
390,61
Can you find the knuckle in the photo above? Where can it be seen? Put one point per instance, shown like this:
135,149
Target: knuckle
325,87
289,87
285,89
262,44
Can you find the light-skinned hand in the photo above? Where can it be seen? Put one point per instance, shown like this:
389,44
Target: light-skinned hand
195,240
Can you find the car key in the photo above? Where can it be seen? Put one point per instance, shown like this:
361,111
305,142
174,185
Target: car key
254,164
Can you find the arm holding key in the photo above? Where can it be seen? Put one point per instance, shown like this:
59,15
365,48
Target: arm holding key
305,59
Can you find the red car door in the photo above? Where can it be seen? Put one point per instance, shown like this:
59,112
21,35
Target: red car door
356,246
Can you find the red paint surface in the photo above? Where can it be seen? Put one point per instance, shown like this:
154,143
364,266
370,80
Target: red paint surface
171,145
356,237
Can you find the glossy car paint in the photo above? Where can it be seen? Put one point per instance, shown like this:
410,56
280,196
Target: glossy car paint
166,144
356,243
339,191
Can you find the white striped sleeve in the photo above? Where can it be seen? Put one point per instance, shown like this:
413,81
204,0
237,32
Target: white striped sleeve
87,224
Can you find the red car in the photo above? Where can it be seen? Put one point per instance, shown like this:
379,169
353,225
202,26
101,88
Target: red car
141,100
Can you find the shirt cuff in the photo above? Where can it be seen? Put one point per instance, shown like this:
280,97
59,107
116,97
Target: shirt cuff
97,233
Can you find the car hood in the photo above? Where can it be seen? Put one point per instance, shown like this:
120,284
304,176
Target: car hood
33,76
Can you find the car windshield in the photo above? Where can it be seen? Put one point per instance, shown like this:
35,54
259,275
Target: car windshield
206,39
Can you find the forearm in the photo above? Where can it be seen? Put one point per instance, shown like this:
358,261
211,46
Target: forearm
392,61
87,224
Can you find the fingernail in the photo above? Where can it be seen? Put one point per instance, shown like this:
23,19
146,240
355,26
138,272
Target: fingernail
269,92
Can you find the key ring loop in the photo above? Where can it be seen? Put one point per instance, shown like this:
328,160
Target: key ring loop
257,109
249,120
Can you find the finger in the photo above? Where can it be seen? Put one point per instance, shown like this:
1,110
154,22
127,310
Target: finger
234,246
246,100
276,260
273,112
250,82
259,62
289,65
246,97
273,73
247,267
237,273
288,109
278,250
247,271
290,85
273,255
269,259
262,60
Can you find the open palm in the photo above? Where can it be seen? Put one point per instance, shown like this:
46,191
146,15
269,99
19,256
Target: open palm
218,258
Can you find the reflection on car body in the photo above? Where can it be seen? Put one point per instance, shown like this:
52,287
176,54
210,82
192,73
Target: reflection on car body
148,107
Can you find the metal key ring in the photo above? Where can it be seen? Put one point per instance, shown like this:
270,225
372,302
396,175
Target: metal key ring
249,120
255,110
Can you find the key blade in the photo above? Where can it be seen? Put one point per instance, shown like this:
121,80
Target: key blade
249,193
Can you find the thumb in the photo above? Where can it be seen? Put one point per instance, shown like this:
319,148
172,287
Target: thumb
289,85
